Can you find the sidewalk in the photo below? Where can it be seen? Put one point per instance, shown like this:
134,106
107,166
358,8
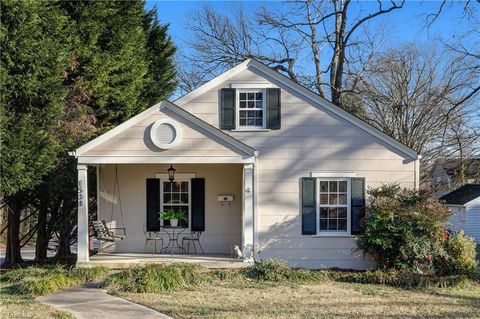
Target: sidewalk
93,303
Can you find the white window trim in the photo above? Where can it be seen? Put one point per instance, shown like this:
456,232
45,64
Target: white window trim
349,207
252,86
239,128
332,174
185,177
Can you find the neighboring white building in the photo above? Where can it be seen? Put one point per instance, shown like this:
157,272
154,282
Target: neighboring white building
464,202
261,162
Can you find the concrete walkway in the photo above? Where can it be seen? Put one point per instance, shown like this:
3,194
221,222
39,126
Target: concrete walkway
93,303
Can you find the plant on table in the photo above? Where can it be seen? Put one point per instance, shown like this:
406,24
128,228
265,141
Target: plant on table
173,216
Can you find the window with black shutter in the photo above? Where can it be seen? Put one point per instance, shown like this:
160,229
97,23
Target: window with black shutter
333,206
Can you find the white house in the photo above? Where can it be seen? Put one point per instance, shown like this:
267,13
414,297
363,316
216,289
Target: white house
261,162
464,203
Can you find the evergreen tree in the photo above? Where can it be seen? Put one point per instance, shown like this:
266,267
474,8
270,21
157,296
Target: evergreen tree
161,77
121,62
31,68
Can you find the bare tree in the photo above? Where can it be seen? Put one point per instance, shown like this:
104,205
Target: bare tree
412,96
319,33
465,46
220,42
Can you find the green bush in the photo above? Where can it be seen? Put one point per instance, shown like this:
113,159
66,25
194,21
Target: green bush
269,270
404,229
37,286
36,280
156,278
461,256
230,275
403,279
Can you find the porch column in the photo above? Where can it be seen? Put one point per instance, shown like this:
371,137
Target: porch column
248,193
82,229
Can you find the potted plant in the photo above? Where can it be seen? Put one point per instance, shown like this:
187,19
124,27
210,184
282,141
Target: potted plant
173,216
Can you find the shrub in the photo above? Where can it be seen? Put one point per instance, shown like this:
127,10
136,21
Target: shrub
37,286
403,279
37,281
404,229
269,270
460,256
231,275
156,278
17,275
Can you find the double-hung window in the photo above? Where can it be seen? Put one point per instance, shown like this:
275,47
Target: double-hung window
251,109
176,195
333,208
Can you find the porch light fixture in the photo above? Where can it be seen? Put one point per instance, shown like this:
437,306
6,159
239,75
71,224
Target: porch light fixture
171,173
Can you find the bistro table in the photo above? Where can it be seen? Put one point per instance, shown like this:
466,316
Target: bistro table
173,244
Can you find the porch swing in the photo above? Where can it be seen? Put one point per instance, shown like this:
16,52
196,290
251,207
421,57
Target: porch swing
108,235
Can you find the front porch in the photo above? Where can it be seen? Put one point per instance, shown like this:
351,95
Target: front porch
125,199
123,260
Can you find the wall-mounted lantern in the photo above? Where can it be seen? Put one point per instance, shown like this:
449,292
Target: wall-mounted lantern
171,173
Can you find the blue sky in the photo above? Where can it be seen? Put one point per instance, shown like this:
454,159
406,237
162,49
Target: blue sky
404,25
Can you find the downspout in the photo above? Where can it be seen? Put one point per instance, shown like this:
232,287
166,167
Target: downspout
416,184
255,205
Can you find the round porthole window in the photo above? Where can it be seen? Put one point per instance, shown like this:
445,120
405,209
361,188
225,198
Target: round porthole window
165,134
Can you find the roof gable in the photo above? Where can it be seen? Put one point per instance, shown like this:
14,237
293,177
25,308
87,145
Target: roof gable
168,107
305,94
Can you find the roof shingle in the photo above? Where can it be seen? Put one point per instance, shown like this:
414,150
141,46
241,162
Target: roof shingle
462,195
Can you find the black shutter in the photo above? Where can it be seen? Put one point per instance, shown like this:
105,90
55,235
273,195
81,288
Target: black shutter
358,204
309,206
198,204
227,109
273,109
153,204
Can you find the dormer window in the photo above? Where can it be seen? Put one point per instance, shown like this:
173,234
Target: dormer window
251,109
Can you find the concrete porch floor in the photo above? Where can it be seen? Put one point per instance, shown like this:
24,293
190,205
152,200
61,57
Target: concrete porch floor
122,260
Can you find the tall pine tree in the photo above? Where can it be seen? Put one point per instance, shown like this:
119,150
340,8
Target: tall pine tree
31,68
161,76
121,62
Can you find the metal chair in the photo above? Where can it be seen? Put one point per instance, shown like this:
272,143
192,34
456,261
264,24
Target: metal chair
152,236
194,238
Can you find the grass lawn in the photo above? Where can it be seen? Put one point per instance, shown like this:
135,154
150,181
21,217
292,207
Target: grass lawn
190,291
328,299
14,305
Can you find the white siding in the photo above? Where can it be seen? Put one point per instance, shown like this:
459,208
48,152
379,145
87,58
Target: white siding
472,227
456,221
135,141
310,140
